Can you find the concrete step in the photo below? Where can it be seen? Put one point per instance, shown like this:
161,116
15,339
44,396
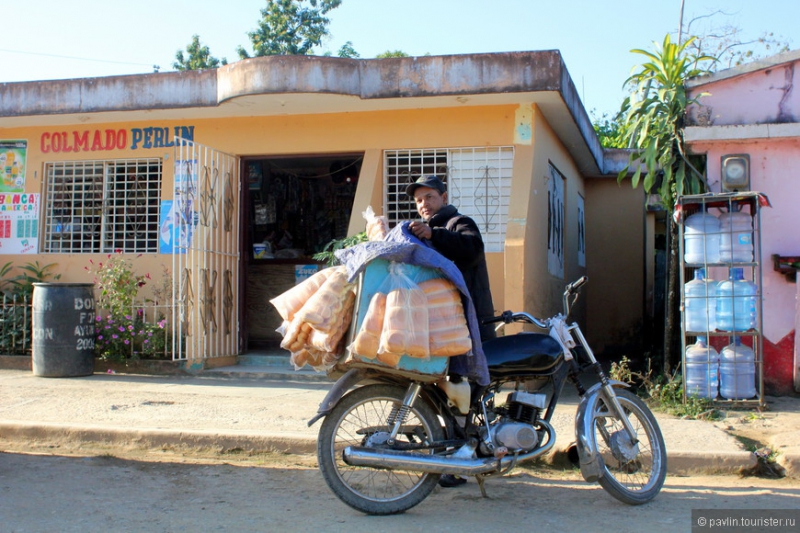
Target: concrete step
274,365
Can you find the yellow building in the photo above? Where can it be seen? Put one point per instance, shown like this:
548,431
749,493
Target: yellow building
230,179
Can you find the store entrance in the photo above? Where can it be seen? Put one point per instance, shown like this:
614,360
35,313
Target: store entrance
292,208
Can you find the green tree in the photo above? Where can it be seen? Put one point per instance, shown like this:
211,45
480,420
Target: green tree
197,57
290,27
347,50
391,53
608,130
653,121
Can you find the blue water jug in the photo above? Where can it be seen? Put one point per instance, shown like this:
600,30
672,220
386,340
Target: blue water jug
701,238
700,305
737,369
702,370
736,303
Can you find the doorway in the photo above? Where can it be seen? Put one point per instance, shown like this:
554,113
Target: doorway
292,207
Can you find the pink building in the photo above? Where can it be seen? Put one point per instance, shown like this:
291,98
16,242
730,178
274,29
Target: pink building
754,110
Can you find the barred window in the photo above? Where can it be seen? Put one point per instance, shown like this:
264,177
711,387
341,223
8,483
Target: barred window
102,206
478,184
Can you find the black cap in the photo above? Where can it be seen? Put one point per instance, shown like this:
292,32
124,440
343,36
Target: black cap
432,182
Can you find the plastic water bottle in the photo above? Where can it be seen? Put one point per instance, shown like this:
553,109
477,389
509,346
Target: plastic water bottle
700,303
701,238
736,303
702,367
736,237
737,370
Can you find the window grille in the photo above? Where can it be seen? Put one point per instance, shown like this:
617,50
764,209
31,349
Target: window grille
478,183
102,206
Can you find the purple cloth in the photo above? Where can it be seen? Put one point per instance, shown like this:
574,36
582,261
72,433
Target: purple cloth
402,246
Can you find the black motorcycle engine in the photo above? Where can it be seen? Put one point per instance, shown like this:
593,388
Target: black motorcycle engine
524,406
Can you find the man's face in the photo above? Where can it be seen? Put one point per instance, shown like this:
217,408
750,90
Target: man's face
429,201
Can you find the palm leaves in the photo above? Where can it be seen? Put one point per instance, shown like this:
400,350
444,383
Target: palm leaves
653,121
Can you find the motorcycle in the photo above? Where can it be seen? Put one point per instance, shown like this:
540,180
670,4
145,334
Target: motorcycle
383,445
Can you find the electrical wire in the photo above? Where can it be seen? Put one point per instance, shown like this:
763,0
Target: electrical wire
156,67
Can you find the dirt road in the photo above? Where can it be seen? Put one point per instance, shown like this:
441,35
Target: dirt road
95,490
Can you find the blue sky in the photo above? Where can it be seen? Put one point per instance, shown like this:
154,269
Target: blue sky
111,37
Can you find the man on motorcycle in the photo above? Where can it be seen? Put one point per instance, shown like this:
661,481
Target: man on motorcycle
458,238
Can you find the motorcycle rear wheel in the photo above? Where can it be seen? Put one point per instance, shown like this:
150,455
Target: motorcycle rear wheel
361,418
634,473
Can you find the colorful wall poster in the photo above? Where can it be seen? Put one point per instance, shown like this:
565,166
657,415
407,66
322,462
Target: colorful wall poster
19,223
13,156
178,217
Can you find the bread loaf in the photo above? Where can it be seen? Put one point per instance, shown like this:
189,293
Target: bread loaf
448,331
366,342
391,359
293,300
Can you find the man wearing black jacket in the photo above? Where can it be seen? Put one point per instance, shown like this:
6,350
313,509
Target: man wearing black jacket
458,238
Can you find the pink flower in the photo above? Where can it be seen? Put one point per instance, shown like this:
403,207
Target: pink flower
114,336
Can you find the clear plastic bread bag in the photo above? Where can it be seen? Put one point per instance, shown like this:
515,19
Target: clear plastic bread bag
405,323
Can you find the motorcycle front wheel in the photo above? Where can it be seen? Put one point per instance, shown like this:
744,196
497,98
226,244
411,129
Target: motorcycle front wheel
634,472
364,418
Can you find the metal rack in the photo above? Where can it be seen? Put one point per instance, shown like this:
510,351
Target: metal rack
715,203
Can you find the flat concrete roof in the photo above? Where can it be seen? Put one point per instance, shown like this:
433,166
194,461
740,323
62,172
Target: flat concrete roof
299,85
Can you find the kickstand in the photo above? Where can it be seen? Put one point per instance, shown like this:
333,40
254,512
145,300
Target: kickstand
480,479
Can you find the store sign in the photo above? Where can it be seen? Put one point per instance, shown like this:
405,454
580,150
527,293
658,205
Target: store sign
303,272
113,139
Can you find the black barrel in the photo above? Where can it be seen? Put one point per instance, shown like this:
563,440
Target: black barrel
63,329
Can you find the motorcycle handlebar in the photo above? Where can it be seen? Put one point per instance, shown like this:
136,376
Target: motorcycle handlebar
507,317
577,284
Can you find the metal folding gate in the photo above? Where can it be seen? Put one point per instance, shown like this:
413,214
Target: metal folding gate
205,259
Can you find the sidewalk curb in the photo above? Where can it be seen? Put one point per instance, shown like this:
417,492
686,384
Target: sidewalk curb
678,463
160,438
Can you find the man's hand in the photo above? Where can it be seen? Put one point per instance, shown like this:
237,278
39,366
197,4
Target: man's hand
420,230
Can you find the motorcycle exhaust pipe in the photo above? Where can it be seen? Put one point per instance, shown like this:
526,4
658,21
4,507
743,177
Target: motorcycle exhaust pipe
440,464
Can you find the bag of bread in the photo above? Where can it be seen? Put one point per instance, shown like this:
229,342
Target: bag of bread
316,359
323,309
329,341
405,322
377,226
291,301
447,325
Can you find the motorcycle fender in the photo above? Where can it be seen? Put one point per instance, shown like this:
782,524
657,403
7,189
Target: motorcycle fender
592,466
348,380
